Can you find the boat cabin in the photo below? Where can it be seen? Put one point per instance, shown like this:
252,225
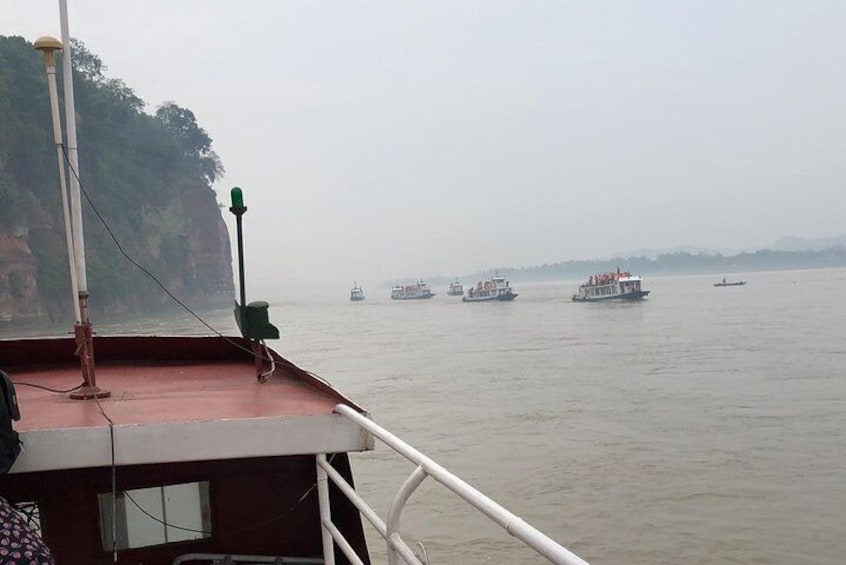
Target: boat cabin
611,286
190,460
356,293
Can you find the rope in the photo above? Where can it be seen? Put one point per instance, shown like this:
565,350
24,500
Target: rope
264,376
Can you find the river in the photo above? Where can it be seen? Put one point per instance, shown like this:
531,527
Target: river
701,425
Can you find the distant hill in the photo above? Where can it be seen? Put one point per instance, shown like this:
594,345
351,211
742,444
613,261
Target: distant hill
653,253
669,264
792,243
148,174
787,243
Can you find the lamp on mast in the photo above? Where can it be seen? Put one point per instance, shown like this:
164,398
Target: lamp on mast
48,46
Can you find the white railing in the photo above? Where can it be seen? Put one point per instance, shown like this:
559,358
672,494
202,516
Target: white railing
399,551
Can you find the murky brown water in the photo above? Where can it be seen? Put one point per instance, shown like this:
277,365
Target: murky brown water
702,425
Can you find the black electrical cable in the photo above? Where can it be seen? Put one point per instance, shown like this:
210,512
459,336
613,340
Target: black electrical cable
48,389
142,268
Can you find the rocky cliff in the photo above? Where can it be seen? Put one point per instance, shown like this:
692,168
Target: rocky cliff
148,175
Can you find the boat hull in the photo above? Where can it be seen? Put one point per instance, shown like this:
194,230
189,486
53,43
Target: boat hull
421,297
627,297
501,298
739,283
456,293
356,298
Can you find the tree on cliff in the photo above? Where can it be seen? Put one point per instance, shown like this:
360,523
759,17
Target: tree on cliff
194,141
148,175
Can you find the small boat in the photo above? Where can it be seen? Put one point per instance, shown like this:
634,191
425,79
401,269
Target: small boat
417,291
455,288
724,282
495,289
356,294
611,286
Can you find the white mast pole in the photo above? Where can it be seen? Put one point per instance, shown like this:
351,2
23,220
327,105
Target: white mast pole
49,46
83,331
73,157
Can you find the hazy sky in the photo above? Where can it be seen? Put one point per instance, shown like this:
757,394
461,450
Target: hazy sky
392,138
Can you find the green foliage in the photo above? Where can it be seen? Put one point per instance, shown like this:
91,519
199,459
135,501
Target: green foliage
25,132
193,140
135,167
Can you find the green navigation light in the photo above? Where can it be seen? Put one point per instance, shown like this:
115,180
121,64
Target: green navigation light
237,207
237,197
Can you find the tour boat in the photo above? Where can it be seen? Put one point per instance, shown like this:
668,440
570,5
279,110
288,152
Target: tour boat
495,289
417,291
611,286
356,294
197,450
724,282
455,289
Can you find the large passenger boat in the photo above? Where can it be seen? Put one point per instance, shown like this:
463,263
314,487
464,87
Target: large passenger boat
417,291
496,289
197,450
611,286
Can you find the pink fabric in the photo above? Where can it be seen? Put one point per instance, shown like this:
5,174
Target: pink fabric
19,545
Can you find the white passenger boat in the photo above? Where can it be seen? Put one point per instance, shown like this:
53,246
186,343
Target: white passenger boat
611,286
455,289
496,289
356,294
417,291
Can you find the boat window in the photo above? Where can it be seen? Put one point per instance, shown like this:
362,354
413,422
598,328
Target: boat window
156,515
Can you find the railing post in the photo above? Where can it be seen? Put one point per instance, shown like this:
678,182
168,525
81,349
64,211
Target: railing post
393,522
325,511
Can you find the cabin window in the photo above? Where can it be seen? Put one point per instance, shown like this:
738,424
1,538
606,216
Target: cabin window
155,516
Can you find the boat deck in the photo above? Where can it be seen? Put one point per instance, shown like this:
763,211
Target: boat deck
202,392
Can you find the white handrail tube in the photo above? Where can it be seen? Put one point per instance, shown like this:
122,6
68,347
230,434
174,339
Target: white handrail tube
406,490
513,524
325,512
405,552
343,543
355,498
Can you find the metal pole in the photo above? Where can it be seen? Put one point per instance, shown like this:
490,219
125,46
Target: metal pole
48,46
83,332
238,208
325,512
240,230
73,157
